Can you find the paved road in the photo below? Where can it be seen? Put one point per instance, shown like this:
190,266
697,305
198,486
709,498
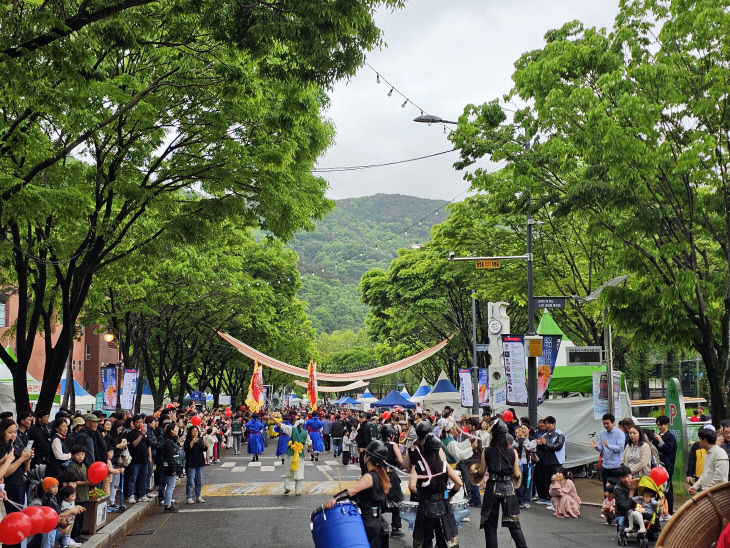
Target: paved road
245,507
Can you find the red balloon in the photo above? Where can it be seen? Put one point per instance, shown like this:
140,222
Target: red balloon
508,415
50,519
386,415
15,527
659,475
229,413
36,518
196,420
228,408
97,472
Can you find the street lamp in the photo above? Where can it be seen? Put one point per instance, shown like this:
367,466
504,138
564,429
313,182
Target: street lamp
607,335
109,337
431,119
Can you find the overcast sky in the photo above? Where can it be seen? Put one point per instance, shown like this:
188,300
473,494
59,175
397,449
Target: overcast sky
443,55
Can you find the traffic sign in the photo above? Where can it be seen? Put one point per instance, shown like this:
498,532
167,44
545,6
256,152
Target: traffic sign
198,397
482,347
549,302
488,263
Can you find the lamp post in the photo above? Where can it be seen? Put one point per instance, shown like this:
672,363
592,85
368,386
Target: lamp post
109,337
607,335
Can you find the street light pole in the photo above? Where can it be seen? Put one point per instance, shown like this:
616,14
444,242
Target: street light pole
531,360
474,365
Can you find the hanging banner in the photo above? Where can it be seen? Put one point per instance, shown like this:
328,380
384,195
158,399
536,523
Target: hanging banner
466,388
129,388
109,387
513,350
601,391
224,399
483,386
546,363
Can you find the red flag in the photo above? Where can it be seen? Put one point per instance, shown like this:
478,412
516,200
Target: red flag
312,384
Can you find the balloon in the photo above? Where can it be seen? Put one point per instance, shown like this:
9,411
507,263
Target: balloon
196,421
15,527
229,413
243,408
659,475
97,472
37,518
508,415
50,519
386,415
228,408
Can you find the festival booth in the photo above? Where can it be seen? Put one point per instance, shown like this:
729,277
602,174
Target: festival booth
82,397
421,392
350,402
405,393
6,380
444,393
394,399
367,399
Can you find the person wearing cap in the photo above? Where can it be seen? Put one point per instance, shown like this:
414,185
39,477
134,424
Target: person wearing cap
369,493
502,463
293,473
429,485
395,461
92,441
715,469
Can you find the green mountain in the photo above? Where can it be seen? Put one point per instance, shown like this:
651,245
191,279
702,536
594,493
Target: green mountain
359,234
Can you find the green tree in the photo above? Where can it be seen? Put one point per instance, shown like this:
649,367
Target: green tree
628,128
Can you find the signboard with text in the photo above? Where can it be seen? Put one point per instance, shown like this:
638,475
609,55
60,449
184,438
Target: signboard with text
485,264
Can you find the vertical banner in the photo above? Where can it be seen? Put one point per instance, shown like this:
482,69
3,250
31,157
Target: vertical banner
601,392
129,388
515,365
109,387
466,388
546,363
255,397
674,409
312,385
484,386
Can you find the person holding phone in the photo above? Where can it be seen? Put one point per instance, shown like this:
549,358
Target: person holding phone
16,461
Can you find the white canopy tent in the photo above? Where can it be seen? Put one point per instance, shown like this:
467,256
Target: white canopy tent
444,393
421,392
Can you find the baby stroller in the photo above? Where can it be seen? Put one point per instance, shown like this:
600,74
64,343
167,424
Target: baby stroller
652,525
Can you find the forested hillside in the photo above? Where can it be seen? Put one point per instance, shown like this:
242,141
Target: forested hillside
359,234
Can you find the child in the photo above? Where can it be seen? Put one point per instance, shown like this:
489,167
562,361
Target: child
68,504
77,470
645,507
50,490
608,510
353,446
346,447
210,441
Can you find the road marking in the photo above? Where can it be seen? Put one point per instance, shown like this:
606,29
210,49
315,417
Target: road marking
242,509
325,468
332,462
254,464
228,465
238,469
268,468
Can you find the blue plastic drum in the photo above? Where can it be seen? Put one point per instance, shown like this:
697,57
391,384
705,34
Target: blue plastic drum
338,527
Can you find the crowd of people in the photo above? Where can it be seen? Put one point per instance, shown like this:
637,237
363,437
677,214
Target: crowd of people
44,462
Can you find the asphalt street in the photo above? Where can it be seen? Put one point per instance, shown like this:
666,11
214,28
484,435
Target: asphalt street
245,507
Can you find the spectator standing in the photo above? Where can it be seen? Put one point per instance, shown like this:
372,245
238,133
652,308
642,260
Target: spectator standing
611,447
666,444
363,439
42,435
237,433
171,463
524,447
195,448
151,424
715,469
547,449
637,455
337,432
326,431
138,446
60,454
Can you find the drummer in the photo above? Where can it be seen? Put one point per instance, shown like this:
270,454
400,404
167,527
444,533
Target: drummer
428,482
369,493
502,463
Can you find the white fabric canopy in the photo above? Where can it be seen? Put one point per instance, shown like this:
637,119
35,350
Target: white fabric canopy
444,393
334,389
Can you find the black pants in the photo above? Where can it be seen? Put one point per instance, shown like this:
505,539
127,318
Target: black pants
608,475
376,530
669,493
543,473
490,530
345,458
363,466
326,440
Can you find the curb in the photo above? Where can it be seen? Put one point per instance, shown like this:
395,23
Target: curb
120,526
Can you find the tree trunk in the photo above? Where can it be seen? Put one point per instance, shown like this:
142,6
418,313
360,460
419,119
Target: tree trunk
715,370
69,385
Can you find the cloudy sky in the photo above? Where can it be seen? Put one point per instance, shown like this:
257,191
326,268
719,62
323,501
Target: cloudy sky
442,55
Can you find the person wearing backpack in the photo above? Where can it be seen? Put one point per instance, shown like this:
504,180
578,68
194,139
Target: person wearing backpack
172,463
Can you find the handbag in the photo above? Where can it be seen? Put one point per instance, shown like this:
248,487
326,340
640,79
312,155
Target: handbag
125,457
534,459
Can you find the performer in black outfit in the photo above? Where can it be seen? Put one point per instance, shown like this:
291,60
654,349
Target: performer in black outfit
369,494
428,482
502,463
395,495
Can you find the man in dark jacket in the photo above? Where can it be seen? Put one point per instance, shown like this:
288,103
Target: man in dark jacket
547,448
666,444
363,438
337,433
622,493
42,436
94,444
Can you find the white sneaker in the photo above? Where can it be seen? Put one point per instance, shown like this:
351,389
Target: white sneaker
144,499
131,500
190,500
200,499
550,507
72,543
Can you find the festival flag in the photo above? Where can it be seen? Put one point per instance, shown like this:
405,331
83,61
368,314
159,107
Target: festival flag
312,384
255,398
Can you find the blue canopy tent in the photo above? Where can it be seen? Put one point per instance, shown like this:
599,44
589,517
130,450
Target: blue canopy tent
83,398
78,389
405,393
423,390
339,401
367,397
349,401
393,399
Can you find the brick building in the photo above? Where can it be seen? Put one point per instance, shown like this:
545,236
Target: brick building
89,351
